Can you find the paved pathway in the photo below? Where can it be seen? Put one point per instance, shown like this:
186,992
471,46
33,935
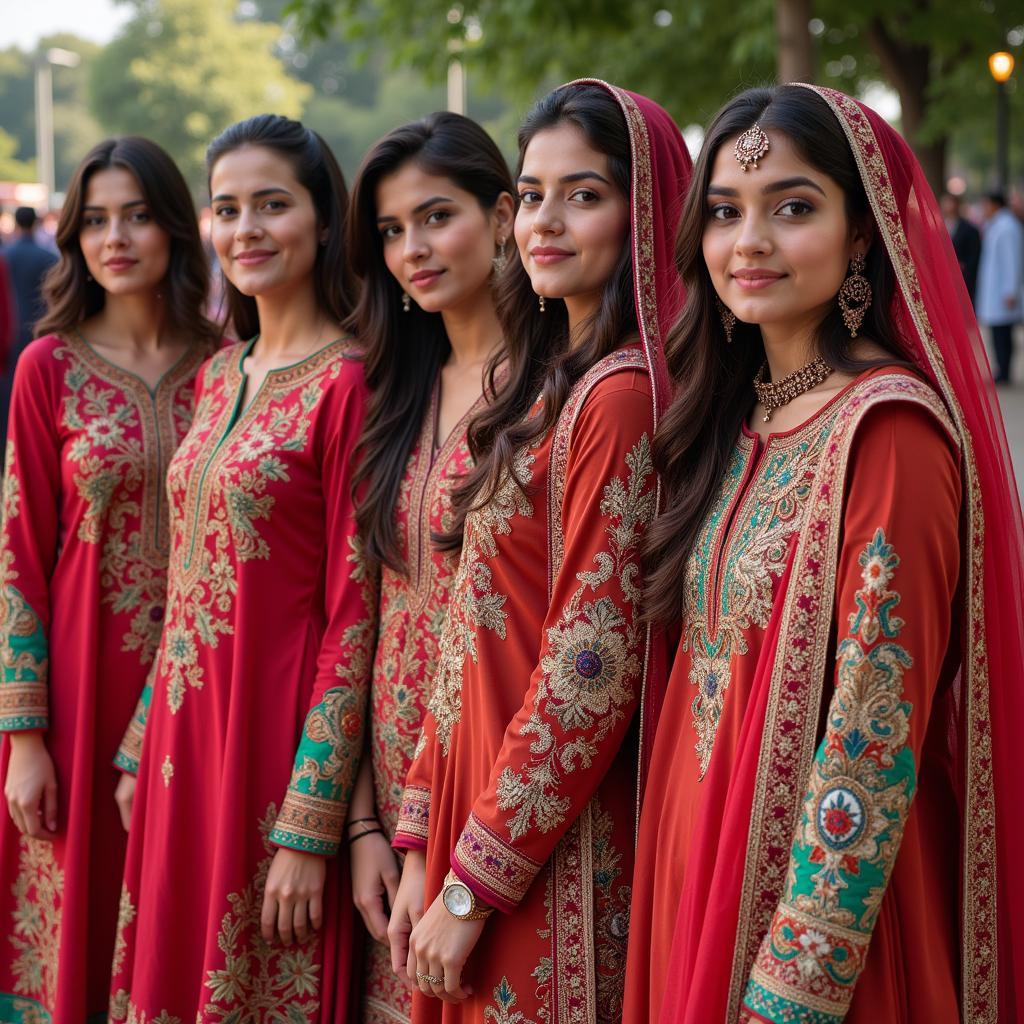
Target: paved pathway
1012,401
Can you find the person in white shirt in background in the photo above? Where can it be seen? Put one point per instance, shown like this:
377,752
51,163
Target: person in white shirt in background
1000,297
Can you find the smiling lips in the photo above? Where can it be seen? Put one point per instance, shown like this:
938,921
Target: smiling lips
254,257
425,278
753,278
546,255
120,263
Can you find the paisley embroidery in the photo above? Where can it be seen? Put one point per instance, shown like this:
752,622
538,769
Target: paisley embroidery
739,554
862,782
591,660
474,604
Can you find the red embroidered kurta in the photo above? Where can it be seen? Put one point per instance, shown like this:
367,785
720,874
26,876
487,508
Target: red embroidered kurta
859,907
413,605
253,725
83,557
525,781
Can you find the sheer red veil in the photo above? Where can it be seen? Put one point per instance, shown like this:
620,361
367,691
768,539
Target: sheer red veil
935,319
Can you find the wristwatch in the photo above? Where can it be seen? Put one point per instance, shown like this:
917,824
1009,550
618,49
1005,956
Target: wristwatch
460,901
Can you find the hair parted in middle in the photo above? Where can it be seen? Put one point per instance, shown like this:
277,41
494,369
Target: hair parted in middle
537,350
317,170
713,379
404,351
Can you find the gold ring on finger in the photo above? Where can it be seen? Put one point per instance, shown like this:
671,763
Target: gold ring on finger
430,979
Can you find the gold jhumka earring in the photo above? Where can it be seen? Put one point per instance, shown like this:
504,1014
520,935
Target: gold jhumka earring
500,261
855,295
728,319
541,303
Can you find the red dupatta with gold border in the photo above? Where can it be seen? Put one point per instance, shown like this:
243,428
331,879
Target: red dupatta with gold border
935,320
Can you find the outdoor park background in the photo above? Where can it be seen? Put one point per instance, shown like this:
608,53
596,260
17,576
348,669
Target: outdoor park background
181,70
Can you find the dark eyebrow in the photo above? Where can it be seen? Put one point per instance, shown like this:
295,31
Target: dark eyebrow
256,195
124,206
425,205
770,189
525,179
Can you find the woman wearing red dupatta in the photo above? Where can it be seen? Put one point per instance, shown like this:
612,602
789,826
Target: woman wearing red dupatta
253,724
824,842
99,404
523,794
429,228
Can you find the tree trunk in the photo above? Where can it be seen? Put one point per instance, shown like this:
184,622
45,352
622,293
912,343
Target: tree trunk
908,69
796,47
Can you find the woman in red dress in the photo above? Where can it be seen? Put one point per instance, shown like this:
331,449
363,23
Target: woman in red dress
429,232
231,908
99,404
522,797
829,830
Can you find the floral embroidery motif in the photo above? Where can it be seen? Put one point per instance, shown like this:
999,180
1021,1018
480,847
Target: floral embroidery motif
35,934
862,782
502,1011
736,567
474,604
591,661
167,770
414,815
23,649
502,870
218,481
261,981
122,1009
611,917
125,915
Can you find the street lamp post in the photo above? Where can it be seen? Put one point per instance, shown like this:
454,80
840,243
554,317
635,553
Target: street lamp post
1001,67
44,111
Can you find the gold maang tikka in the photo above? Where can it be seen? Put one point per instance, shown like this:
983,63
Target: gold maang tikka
751,146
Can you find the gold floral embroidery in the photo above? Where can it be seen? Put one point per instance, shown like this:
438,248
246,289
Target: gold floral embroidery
35,934
611,917
261,981
503,1011
753,554
167,770
591,660
474,604
122,1009
125,915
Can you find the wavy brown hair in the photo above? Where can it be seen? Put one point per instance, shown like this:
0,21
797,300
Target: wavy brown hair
72,296
713,393
317,170
537,353
404,351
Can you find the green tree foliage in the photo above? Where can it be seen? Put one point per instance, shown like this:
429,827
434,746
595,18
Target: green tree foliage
12,169
74,127
182,70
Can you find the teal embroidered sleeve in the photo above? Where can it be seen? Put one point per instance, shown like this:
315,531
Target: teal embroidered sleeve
23,696
130,751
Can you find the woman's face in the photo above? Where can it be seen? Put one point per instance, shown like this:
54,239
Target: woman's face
125,250
777,242
439,243
573,220
265,230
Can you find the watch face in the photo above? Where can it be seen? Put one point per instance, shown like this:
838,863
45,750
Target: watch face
458,899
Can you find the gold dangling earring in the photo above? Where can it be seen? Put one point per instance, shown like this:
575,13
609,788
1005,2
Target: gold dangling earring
728,319
501,260
855,295
541,297
406,302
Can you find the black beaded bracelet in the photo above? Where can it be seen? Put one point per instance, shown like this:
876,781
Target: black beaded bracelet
368,832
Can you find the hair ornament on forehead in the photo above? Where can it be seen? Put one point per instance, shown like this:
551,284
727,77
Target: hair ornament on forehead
751,146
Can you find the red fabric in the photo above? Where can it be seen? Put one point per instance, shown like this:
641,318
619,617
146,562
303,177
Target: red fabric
84,556
265,652
525,783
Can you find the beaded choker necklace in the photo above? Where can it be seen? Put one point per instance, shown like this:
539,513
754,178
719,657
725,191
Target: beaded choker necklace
777,393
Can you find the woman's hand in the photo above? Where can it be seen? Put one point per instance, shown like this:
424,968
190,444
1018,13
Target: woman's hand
439,948
293,899
31,786
124,796
406,910
375,879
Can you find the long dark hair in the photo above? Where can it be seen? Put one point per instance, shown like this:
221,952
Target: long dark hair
72,296
713,379
538,356
318,172
404,351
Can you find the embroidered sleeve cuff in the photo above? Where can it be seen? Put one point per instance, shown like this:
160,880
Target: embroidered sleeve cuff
23,706
806,970
309,824
498,873
413,819
129,753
